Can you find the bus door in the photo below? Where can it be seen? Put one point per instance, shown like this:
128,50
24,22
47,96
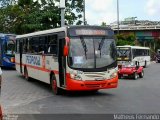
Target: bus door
61,60
20,52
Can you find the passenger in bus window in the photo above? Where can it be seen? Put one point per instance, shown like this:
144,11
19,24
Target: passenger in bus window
41,49
52,49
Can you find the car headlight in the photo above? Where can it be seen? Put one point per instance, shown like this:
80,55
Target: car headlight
113,75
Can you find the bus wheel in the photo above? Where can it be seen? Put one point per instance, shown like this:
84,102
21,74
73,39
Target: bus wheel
145,64
141,74
26,74
135,76
54,86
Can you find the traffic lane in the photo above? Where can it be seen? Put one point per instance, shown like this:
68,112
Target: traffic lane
132,96
16,91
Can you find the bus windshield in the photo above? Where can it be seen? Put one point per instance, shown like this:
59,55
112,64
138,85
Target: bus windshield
89,52
10,47
123,53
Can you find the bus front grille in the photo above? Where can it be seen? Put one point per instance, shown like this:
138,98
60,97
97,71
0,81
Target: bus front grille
95,85
94,74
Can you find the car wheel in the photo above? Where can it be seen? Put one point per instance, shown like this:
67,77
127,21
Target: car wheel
135,75
141,74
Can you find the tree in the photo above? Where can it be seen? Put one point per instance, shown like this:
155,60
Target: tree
25,16
125,39
104,24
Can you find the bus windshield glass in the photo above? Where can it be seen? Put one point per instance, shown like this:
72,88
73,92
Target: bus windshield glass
123,53
10,47
89,52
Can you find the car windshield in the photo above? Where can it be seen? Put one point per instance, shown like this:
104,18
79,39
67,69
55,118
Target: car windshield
123,53
89,52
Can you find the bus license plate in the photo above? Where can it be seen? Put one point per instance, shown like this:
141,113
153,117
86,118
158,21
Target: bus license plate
125,75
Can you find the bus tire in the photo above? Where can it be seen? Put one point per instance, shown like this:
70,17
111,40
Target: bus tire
54,87
145,64
26,74
135,76
141,75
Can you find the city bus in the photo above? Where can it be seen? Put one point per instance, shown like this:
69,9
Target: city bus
7,50
72,58
133,55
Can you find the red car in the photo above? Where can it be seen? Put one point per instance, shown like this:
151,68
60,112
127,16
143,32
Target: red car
130,71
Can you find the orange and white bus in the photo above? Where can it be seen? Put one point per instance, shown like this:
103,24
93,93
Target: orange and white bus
73,58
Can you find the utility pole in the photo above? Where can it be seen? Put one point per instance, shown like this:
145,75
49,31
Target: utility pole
62,7
118,15
84,14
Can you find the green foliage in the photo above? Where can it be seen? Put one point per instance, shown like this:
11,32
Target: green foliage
25,16
104,24
128,39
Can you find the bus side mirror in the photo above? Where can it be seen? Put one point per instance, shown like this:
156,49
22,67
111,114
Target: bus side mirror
65,50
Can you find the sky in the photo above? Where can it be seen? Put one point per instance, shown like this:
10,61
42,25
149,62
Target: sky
98,11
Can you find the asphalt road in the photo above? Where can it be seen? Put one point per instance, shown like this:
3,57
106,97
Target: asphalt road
19,96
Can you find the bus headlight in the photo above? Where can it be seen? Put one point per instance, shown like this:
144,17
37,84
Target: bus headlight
12,59
113,75
74,75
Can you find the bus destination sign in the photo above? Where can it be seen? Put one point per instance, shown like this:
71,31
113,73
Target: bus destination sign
90,32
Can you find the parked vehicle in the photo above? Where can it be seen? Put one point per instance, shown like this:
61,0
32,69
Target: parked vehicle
7,50
129,55
131,71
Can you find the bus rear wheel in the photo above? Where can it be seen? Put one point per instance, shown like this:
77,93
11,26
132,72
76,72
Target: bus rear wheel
26,74
145,64
55,89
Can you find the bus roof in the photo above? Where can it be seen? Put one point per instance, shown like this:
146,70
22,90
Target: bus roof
42,32
59,30
4,34
134,47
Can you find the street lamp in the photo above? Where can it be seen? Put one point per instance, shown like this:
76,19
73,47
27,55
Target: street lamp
118,15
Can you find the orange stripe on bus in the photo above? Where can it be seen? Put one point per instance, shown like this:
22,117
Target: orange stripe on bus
39,68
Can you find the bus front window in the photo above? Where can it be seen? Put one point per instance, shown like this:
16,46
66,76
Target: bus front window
89,52
10,47
123,54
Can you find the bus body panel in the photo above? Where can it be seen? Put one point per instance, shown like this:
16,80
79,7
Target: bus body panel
41,66
7,45
143,59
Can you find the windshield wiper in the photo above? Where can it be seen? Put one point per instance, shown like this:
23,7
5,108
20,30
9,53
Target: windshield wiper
100,45
84,46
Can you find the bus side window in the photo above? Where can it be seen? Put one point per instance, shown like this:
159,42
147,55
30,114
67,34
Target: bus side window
34,45
42,42
134,53
52,44
25,45
17,46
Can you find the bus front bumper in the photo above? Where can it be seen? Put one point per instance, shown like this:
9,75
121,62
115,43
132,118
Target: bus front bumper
77,85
